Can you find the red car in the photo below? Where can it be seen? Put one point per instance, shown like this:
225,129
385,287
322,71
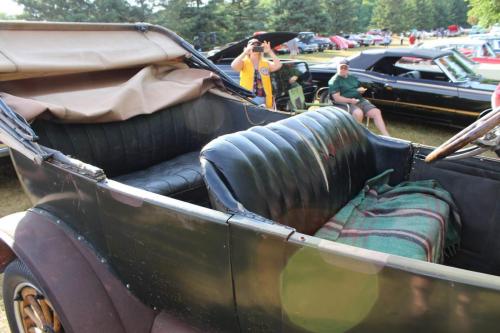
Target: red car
478,50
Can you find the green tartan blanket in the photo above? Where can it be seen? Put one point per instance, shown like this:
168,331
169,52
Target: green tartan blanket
413,219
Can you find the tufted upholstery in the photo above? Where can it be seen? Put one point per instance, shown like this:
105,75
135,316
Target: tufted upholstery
298,172
140,142
157,152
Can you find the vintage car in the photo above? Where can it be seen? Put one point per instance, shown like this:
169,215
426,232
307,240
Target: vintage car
280,79
164,201
478,50
431,85
492,38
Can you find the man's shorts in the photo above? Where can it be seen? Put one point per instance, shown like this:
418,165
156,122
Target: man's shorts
364,105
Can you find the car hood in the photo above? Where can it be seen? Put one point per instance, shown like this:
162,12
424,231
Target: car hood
484,84
275,38
330,65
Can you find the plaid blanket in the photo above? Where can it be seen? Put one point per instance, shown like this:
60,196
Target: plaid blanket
413,219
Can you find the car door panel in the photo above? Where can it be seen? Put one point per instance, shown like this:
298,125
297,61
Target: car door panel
331,287
380,88
439,97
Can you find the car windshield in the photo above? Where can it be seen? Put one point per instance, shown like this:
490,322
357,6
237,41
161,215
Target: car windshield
455,69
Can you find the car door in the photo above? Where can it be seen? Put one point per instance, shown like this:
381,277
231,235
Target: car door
423,91
380,87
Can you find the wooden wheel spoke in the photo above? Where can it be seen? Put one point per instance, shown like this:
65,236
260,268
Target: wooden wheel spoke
57,323
37,312
33,317
47,312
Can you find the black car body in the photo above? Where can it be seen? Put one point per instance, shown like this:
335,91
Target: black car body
417,83
125,234
281,85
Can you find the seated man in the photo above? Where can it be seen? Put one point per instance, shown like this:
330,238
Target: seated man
345,88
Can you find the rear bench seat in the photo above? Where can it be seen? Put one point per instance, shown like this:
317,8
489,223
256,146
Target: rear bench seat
302,171
157,152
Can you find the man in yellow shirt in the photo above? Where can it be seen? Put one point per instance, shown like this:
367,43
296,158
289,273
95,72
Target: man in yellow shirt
255,71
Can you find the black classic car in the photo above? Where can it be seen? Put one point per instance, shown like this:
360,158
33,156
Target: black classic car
164,201
280,79
431,85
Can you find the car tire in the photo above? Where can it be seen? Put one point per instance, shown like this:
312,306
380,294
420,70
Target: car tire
23,297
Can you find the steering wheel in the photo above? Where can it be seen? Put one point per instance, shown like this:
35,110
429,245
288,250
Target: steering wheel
472,132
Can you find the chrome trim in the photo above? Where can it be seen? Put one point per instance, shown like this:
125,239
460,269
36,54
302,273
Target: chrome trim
4,152
429,85
427,107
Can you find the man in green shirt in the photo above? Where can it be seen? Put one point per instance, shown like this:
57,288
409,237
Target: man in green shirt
345,88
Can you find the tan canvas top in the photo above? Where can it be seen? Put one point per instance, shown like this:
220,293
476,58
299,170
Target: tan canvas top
94,72
30,49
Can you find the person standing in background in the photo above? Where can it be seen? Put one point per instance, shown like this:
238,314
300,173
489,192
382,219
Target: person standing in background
255,71
412,39
293,47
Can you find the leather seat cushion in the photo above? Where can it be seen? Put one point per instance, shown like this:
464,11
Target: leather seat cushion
298,171
179,178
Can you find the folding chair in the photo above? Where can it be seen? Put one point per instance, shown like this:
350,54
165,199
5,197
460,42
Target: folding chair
298,102
322,96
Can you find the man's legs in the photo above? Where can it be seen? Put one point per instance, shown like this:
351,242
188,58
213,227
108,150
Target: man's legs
356,113
376,115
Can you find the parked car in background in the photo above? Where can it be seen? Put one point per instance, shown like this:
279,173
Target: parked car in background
281,49
280,79
310,42
454,30
365,40
477,29
339,43
307,47
492,39
478,50
323,43
430,85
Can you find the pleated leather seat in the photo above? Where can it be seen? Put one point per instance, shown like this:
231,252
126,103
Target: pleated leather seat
301,171
156,152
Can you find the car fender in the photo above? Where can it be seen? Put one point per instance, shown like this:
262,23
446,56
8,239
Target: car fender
81,286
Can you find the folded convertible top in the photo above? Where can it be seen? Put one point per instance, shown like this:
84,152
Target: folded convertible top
84,73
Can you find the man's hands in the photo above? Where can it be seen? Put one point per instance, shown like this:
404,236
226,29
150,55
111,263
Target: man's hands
247,50
267,47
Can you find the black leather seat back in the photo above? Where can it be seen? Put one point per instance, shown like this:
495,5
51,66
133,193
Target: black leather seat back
137,143
298,172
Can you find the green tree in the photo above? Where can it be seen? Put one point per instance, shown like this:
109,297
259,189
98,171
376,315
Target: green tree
344,15
86,10
365,14
245,17
484,12
390,14
422,14
301,15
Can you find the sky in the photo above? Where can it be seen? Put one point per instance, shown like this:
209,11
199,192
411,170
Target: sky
10,7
